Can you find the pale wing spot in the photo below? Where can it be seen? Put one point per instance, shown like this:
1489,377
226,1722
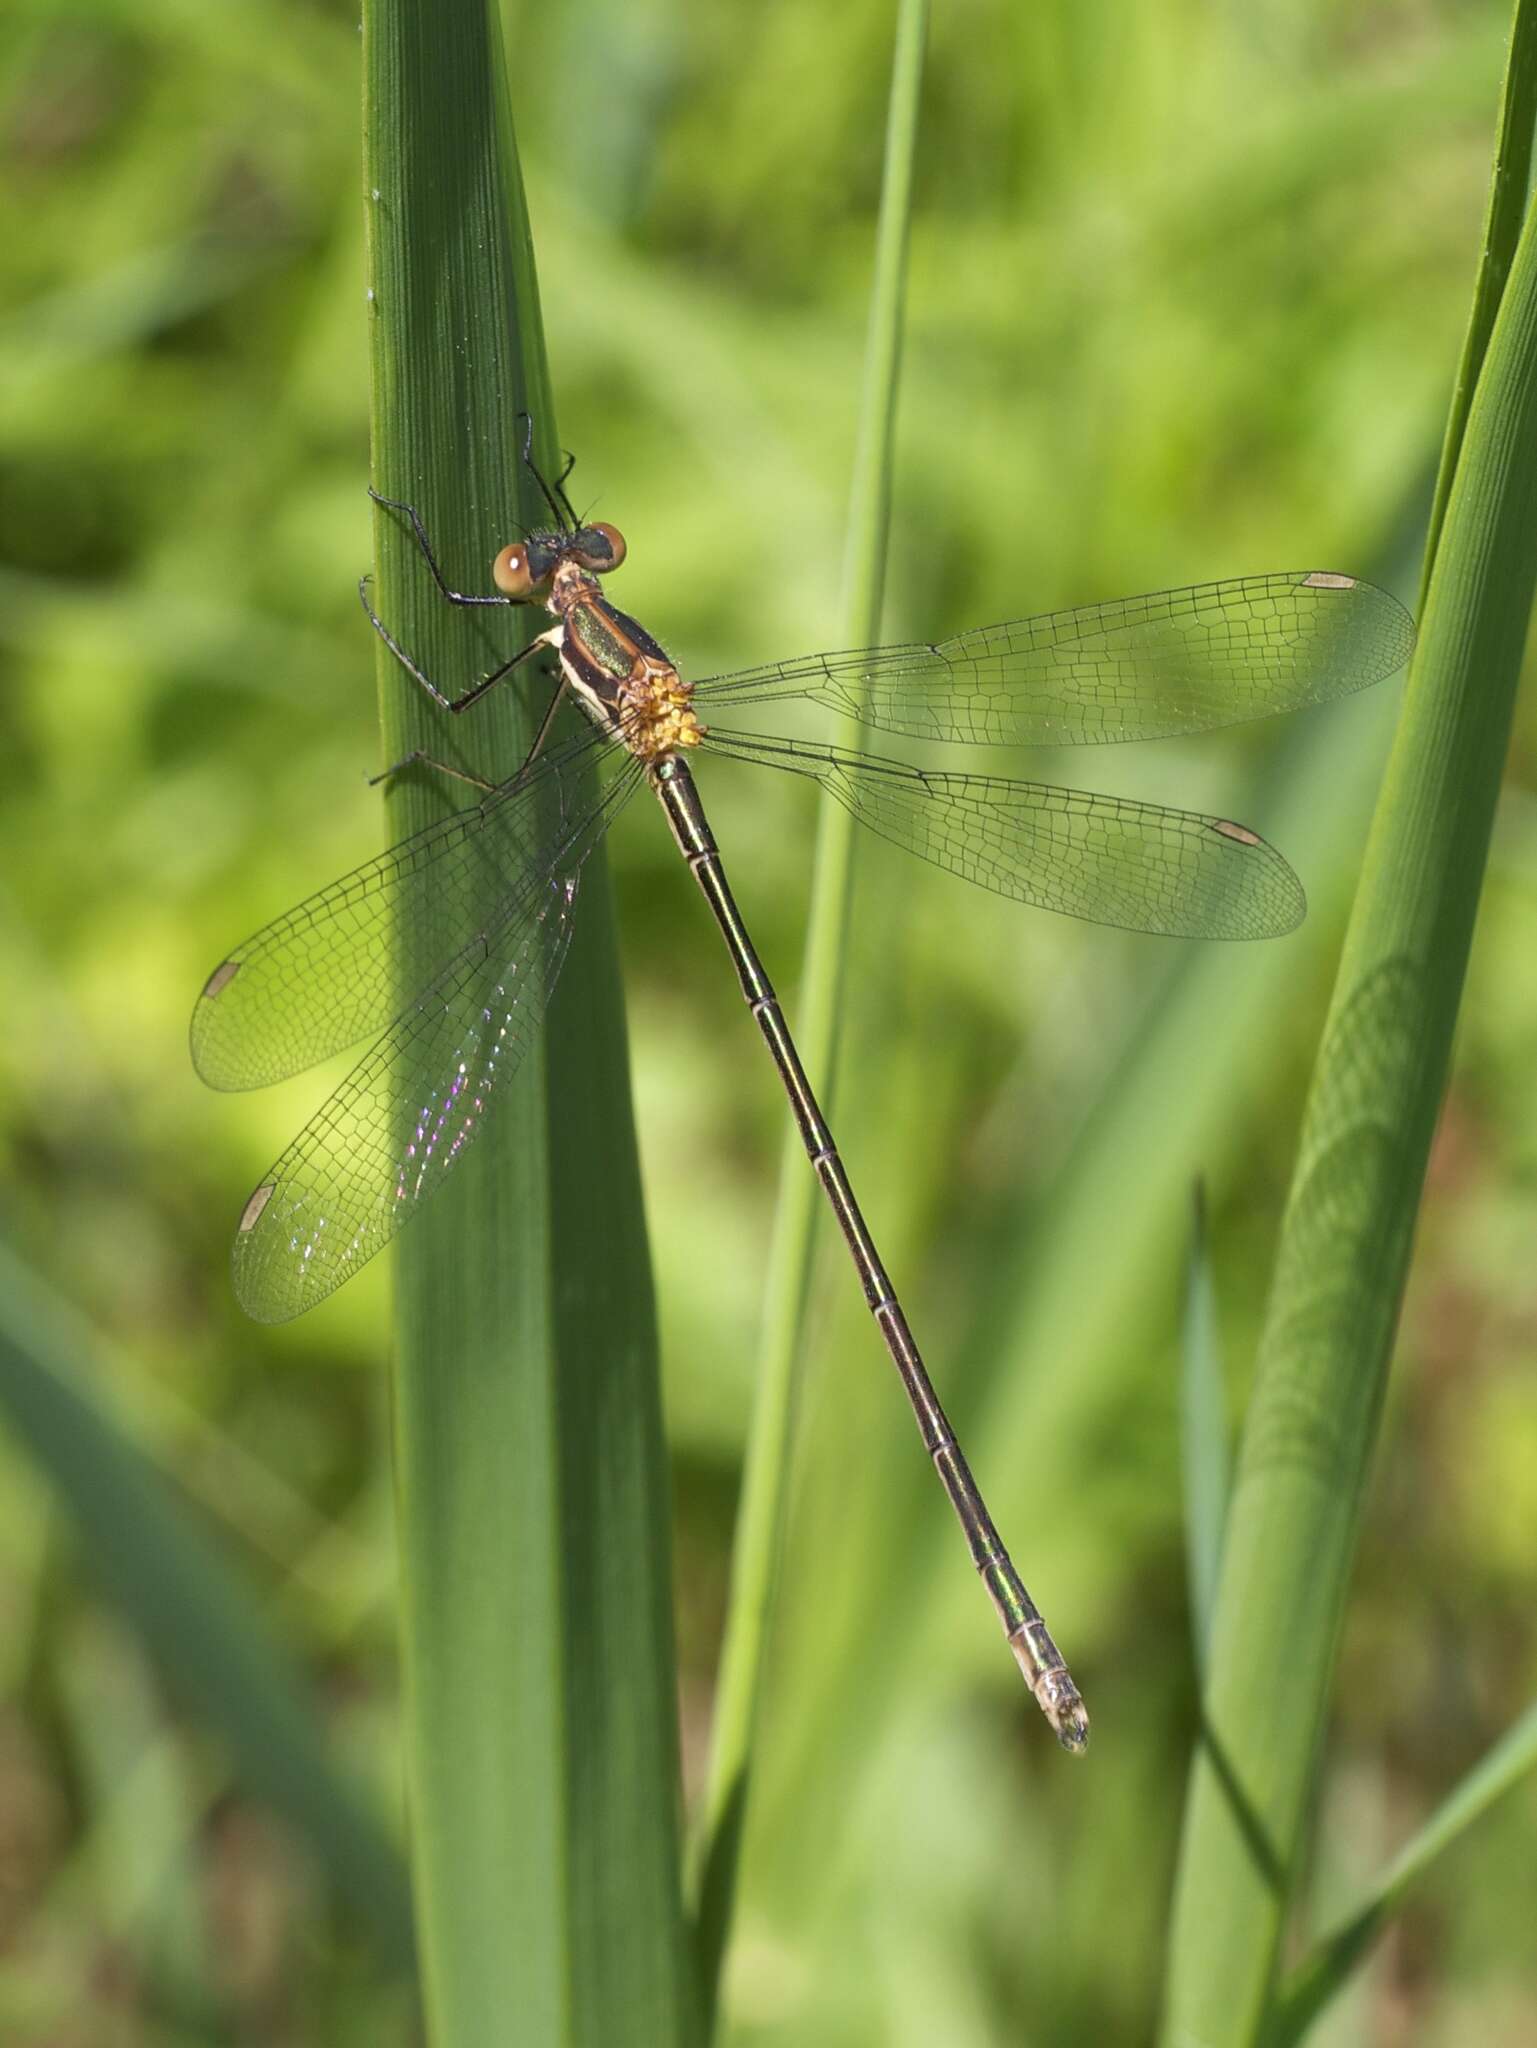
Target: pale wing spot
250,1214
220,979
1239,832
1326,579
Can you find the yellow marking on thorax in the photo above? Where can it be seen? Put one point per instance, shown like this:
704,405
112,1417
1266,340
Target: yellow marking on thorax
655,714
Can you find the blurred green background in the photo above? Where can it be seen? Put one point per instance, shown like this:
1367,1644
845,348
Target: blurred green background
1188,286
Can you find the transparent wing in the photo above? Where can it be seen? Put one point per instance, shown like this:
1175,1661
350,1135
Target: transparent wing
1178,661
1106,858
326,974
404,1116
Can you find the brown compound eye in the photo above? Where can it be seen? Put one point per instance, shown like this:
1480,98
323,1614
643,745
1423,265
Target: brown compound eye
511,572
601,547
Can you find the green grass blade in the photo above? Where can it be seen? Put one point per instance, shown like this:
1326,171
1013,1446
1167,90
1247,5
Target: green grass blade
1338,1952
760,1520
1203,1433
540,1692
191,1615
1502,229
1349,1225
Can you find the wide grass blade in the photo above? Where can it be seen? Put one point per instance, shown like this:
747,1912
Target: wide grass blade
1349,1225
540,1700
760,1520
195,1621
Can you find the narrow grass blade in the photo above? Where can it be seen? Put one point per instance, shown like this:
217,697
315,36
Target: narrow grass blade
137,1873
1203,1432
1349,1225
1339,1952
193,1618
533,1499
760,1521
1502,229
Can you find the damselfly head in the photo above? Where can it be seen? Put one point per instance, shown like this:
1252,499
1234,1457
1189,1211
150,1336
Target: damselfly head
523,570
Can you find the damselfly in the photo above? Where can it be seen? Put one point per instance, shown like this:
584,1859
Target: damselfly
449,944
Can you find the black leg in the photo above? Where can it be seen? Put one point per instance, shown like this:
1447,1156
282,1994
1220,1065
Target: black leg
453,596
420,754
544,730
426,760
537,474
440,697
560,491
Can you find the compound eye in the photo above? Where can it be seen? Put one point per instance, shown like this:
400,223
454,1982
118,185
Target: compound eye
511,573
602,547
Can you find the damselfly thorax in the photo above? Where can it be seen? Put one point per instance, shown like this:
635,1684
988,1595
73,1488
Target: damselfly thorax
619,675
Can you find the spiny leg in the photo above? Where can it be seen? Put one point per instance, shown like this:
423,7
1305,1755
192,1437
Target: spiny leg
555,498
560,489
453,596
420,755
536,745
440,697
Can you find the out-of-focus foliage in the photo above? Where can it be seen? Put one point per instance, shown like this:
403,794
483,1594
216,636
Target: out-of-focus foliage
1188,287
1303,1475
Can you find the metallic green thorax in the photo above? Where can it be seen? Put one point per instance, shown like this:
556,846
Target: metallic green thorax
621,676
604,641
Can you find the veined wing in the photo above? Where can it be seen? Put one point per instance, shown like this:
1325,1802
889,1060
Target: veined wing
404,1116
1177,661
328,972
1106,858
